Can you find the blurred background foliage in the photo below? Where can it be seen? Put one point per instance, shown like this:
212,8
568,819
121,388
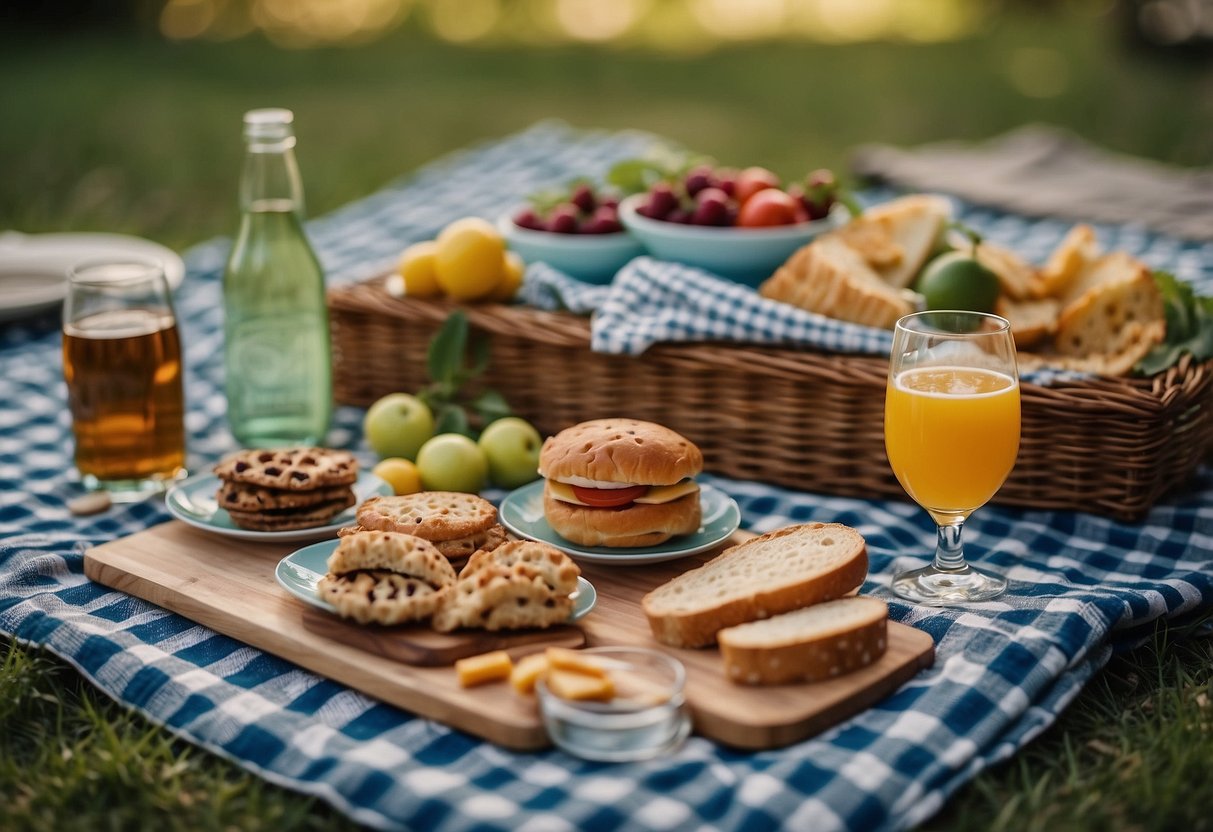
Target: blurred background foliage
124,114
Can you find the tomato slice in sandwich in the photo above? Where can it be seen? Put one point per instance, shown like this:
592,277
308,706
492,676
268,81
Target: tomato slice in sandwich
609,497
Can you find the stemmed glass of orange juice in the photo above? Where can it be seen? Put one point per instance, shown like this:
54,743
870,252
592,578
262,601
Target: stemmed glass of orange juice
951,431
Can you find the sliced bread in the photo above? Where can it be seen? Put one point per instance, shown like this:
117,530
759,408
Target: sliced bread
1032,321
830,278
912,223
775,573
806,645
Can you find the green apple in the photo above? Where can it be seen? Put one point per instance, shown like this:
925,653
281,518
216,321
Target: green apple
398,425
512,447
452,462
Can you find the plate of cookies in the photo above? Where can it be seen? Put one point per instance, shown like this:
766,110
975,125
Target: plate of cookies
621,491
286,494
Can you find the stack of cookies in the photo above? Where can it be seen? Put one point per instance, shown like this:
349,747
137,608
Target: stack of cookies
286,489
457,524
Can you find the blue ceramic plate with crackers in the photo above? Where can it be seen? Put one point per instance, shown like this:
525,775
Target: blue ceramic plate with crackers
193,501
300,571
522,513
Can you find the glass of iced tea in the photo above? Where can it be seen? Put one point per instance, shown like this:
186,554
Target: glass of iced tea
951,428
122,364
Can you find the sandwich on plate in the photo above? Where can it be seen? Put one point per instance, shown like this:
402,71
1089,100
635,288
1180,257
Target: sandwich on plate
620,483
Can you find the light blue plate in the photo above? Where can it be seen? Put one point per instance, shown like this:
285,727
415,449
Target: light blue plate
301,570
522,513
193,501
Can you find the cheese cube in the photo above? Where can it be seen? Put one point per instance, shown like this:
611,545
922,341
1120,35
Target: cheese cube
527,672
487,667
569,684
566,659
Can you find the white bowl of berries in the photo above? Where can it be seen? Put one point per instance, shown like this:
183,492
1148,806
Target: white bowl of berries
577,232
741,225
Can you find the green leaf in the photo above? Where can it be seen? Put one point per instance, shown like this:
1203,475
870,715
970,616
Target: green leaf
1189,326
480,357
632,176
445,357
490,406
451,418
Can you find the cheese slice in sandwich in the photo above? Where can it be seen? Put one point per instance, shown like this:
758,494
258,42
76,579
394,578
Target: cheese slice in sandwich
656,495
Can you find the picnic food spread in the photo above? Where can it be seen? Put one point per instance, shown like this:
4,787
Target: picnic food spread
1082,310
284,489
620,483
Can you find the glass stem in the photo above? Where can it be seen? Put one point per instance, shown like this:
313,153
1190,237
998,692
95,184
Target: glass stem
949,551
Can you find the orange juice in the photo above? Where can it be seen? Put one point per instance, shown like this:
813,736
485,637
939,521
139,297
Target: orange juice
952,434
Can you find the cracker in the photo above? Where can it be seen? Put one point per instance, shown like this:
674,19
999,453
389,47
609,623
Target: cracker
401,553
519,584
282,520
556,568
243,496
502,598
380,596
293,469
433,515
465,547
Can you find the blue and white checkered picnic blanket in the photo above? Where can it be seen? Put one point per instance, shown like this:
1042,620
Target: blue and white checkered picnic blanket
1004,669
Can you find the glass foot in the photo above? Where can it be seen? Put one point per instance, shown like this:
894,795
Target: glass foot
133,491
938,588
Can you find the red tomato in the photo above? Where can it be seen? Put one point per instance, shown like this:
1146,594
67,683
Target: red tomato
769,206
609,497
752,180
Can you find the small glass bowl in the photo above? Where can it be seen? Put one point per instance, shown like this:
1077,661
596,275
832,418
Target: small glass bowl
647,717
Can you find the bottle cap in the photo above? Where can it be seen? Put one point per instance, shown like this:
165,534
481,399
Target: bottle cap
268,125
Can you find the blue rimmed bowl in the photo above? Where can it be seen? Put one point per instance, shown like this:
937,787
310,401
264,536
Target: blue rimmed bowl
746,255
591,258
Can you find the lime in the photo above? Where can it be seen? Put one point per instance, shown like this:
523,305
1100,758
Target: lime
957,281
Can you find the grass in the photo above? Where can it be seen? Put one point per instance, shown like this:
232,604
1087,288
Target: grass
131,133
72,759
121,132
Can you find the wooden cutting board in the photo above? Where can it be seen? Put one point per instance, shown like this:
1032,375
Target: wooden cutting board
229,586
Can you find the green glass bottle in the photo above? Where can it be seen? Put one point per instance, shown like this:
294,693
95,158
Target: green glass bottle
277,354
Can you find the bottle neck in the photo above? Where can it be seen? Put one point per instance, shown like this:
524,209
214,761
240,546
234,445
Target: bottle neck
271,178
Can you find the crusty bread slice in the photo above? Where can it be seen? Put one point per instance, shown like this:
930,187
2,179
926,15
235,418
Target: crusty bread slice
912,223
1031,320
1073,254
775,573
1113,324
830,278
806,645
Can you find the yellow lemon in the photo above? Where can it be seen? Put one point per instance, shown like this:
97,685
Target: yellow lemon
400,474
417,270
511,278
469,257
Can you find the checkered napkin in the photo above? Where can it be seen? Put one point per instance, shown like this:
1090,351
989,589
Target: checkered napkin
1004,669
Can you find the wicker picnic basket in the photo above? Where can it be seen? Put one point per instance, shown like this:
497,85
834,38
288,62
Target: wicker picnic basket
796,418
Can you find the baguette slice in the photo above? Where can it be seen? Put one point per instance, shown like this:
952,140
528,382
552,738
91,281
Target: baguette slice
807,645
775,573
830,278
